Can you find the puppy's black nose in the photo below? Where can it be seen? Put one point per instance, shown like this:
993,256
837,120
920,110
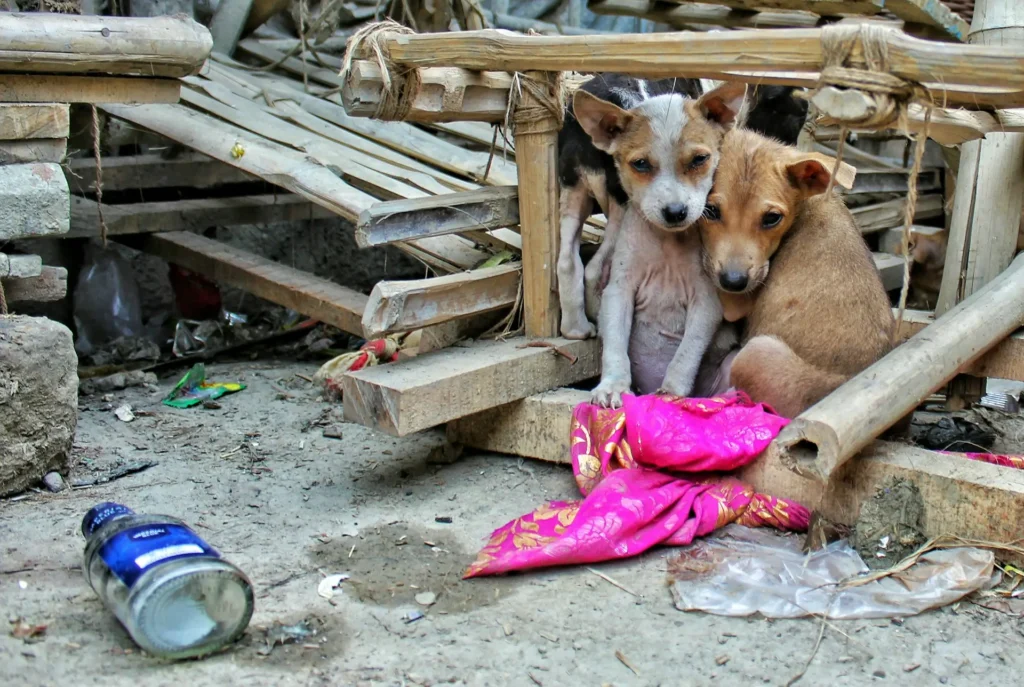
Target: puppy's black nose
674,213
733,281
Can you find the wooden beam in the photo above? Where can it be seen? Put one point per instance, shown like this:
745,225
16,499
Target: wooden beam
435,388
69,43
33,150
35,200
961,497
929,13
20,266
401,220
138,172
20,121
687,15
194,214
402,306
50,285
46,88
310,295
870,181
661,55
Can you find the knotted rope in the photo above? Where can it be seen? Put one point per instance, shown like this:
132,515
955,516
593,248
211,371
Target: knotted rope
543,111
399,85
888,98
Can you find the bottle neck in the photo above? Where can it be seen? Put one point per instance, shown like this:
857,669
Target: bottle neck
100,514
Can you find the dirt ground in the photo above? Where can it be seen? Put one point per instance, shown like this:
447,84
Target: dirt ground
262,483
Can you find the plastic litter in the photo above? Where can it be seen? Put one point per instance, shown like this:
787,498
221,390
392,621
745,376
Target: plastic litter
107,302
744,571
193,389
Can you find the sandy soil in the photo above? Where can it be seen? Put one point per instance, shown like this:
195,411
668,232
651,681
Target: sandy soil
260,481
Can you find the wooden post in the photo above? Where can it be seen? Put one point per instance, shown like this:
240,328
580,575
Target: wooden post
988,196
536,157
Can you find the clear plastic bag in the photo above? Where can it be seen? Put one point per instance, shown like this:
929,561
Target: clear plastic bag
744,571
107,302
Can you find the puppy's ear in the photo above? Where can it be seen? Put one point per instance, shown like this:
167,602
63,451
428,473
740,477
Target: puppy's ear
603,121
810,172
722,105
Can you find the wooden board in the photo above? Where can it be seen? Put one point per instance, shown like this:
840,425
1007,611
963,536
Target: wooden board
20,121
20,266
50,285
120,173
690,15
870,181
961,497
287,286
435,388
401,220
33,150
402,306
68,43
879,216
182,215
47,88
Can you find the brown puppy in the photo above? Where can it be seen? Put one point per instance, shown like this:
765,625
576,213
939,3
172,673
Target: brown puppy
791,260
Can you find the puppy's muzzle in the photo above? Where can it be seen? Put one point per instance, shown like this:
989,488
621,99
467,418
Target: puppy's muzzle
674,214
733,280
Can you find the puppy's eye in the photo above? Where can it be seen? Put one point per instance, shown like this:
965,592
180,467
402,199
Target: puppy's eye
712,213
642,165
698,160
771,219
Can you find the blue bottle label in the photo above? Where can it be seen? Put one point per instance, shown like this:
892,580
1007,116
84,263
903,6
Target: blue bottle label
132,552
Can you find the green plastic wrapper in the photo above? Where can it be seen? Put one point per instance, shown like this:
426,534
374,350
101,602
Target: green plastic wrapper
193,389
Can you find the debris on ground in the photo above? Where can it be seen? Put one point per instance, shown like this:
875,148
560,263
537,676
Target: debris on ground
115,474
124,413
330,586
28,632
193,389
426,598
279,634
889,526
116,382
963,432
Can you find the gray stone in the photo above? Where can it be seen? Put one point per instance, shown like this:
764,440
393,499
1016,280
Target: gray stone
21,266
38,400
53,481
36,201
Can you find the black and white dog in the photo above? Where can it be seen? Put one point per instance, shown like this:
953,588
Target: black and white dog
588,176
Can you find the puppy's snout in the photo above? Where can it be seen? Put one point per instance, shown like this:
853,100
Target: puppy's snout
674,214
732,280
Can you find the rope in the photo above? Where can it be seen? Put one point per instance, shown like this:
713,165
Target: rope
546,109
3,300
99,173
398,86
908,218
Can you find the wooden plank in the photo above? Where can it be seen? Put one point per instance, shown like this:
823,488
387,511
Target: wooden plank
254,154
310,295
153,171
435,388
686,54
41,120
47,88
194,214
930,12
890,268
68,43
50,285
20,266
35,201
401,220
402,306
870,181
825,8
228,23
879,216
33,150
961,497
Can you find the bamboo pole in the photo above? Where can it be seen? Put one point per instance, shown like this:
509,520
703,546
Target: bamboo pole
689,54
831,432
536,154
68,43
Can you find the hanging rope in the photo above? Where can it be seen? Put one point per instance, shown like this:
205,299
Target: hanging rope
99,173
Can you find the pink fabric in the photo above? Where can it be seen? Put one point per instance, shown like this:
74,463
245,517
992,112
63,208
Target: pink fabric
1005,461
628,506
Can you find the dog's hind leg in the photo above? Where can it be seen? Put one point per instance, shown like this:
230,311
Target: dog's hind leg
576,204
770,372
595,276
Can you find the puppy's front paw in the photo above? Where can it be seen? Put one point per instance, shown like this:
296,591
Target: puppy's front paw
578,328
669,388
608,393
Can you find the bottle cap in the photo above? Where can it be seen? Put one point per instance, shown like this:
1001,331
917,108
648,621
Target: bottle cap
102,513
